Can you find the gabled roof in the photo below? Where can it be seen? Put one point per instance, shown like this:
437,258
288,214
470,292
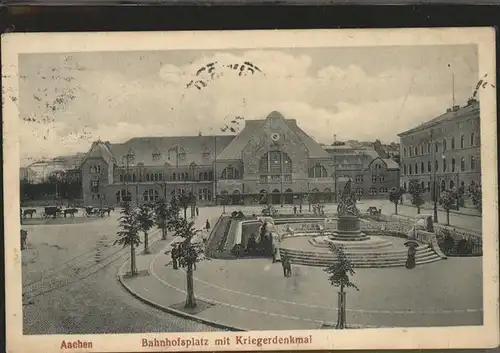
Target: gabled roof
389,163
234,149
199,150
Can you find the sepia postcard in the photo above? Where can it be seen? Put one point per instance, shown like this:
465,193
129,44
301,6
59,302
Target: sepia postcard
250,190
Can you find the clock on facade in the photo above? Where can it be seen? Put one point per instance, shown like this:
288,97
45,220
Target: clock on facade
275,136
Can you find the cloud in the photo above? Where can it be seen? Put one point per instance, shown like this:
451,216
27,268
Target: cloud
346,101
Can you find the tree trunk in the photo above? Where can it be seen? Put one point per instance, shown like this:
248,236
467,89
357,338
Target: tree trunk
396,207
418,209
185,212
146,243
447,217
163,233
132,260
190,299
341,309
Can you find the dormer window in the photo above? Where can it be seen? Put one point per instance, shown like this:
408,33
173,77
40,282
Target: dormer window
206,153
182,154
156,155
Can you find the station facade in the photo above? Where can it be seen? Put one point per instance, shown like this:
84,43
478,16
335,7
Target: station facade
271,160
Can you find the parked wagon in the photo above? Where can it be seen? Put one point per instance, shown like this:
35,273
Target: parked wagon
51,211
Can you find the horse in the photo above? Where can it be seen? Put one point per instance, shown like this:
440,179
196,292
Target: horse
107,210
70,211
29,211
91,211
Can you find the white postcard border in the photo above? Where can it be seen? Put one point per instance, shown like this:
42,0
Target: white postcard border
393,338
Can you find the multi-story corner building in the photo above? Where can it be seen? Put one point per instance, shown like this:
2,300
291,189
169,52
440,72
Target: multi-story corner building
444,151
373,176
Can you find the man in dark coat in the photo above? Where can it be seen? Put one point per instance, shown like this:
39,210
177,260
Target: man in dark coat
174,257
287,268
207,225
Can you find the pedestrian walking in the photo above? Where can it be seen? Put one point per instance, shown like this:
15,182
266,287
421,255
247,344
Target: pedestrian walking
197,211
174,254
207,225
300,208
287,268
294,210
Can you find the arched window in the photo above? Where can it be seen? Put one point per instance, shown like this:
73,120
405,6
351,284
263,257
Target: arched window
200,194
134,177
411,151
405,152
444,165
443,185
230,173
452,184
472,136
422,149
318,171
205,176
453,143
472,163
150,195
428,186
436,147
211,176
436,166
148,177
452,165
444,145
200,178
429,167
122,178
462,141
174,176
422,185
416,168
275,162
409,171
404,169
422,170
121,195
428,147
462,164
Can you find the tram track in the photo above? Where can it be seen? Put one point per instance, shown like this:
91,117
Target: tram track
78,268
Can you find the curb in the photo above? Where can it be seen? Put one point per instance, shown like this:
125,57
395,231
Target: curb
171,310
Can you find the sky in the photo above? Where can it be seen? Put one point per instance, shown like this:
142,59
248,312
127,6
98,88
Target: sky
68,100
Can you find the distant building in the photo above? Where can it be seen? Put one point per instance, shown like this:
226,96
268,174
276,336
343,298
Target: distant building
445,149
40,171
373,176
270,160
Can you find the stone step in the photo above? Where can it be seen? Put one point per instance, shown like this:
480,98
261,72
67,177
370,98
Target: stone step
378,264
355,245
364,263
360,258
404,252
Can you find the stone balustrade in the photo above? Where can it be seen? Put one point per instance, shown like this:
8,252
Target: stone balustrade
431,240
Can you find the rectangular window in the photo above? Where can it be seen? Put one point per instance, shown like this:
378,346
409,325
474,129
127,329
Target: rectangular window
382,179
94,186
374,179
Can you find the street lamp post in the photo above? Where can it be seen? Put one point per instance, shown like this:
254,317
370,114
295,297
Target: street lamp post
434,184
